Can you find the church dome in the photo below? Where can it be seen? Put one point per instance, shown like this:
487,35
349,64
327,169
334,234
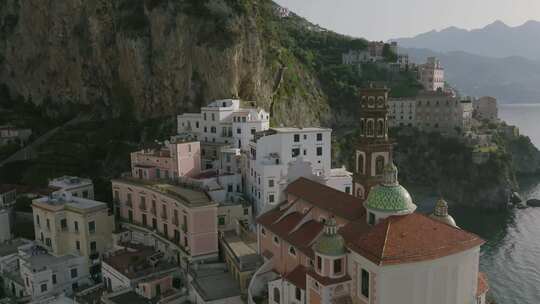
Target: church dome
330,243
441,213
390,196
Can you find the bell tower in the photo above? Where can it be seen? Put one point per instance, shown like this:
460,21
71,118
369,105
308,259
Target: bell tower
374,148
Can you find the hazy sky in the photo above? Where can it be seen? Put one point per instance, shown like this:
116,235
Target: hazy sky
384,19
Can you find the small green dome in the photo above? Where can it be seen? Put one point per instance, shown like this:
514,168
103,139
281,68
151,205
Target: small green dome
389,198
330,243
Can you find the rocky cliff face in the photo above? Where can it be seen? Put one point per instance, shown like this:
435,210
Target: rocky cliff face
151,58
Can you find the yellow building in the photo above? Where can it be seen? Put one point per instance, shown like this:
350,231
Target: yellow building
66,224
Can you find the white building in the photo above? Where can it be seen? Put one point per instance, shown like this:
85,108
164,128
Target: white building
77,186
223,123
402,112
280,155
45,275
485,108
431,74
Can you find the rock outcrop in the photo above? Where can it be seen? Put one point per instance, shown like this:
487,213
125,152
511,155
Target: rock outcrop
151,58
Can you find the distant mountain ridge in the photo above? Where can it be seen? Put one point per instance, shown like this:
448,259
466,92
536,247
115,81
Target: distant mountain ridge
511,79
494,40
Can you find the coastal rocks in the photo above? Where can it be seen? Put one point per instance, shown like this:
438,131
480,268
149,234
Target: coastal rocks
533,202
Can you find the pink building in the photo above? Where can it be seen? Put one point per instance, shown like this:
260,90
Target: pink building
175,159
178,220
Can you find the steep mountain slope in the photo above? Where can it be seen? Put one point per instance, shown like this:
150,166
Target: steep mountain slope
510,79
494,40
151,58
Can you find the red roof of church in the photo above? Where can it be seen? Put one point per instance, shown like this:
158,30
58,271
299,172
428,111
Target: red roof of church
297,277
334,201
411,238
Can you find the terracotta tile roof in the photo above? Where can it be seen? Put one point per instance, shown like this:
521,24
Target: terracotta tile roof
297,277
301,238
336,202
326,281
411,238
483,285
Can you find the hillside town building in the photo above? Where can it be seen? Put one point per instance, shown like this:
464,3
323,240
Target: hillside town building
486,109
174,159
431,74
432,111
76,186
223,123
177,219
14,135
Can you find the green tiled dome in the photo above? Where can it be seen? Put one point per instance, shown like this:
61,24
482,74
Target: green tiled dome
330,243
389,198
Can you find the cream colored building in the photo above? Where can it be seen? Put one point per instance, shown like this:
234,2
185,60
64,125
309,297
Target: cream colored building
65,224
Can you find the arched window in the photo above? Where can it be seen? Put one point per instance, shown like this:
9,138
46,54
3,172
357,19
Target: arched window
276,295
362,127
360,163
370,126
379,165
380,128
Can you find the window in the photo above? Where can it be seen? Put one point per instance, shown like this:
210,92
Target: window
144,221
253,131
370,128
276,295
37,220
319,151
165,230
348,190
379,165
73,273
221,220
238,131
276,240
213,130
93,246
292,251
319,136
296,137
246,211
63,224
365,283
213,116
48,224
78,245
230,188
337,266
271,198
295,152
197,124
319,263
270,183
48,242
43,287
371,219
85,194
263,231
54,278
298,294
204,117
92,227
